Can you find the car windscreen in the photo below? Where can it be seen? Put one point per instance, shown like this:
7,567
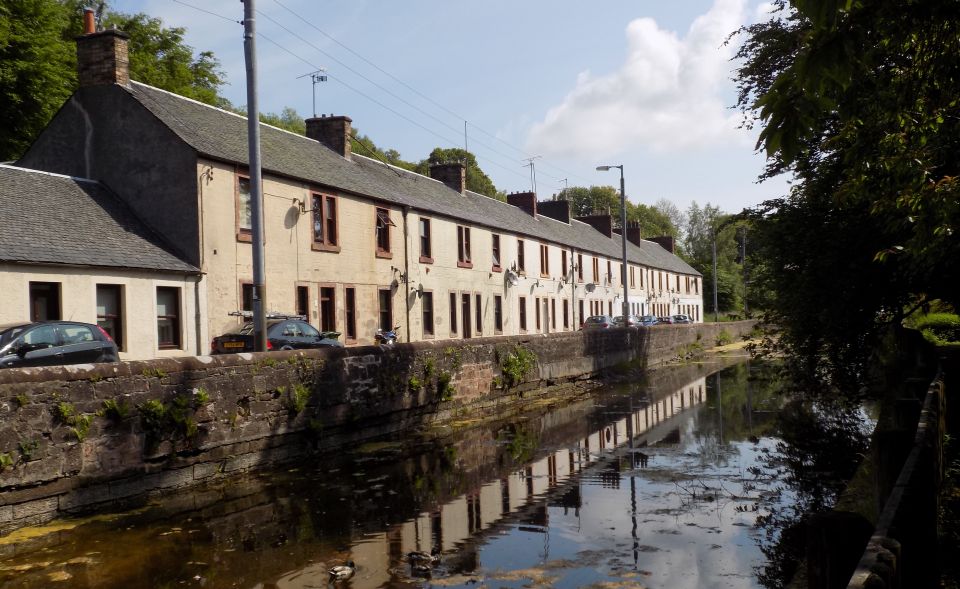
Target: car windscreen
247,328
9,332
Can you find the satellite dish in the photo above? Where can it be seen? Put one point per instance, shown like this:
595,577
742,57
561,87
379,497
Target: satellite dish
590,287
420,290
512,278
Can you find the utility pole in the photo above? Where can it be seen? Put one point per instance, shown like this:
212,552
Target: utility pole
716,312
743,258
256,184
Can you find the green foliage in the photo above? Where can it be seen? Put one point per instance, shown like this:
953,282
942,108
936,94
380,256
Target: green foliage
65,412
429,369
939,328
445,388
851,100
153,373
27,448
455,356
724,338
6,461
81,425
38,64
22,400
37,71
516,365
201,396
153,416
115,410
296,401
414,384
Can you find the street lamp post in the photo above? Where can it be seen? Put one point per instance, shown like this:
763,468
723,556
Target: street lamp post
623,238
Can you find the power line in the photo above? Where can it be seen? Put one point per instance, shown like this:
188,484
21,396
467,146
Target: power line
378,85
414,90
350,87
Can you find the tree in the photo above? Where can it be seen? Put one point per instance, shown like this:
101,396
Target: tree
477,180
37,70
857,100
38,63
704,224
602,200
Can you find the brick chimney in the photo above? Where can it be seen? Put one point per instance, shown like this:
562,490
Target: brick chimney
332,131
602,223
666,242
633,232
555,209
524,200
102,57
453,174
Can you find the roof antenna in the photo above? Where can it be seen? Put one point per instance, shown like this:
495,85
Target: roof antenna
533,170
316,77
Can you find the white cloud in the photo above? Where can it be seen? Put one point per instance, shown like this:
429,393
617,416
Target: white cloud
671,94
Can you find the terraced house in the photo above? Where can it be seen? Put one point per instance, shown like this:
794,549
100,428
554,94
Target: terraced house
350,242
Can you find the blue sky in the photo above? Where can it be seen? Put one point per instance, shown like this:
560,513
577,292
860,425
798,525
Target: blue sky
640,83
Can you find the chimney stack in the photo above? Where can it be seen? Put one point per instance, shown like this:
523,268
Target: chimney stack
102,57
332,131
633,232
555,209
453,174
602,223
666,242
524,200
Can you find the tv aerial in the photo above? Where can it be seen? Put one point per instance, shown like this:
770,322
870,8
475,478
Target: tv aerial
316,77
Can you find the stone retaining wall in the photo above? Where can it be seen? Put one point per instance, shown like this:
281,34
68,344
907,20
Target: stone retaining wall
75,437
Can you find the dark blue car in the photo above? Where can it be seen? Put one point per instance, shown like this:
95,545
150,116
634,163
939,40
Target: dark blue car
54,343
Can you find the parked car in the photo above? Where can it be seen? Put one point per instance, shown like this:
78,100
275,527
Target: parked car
667,319
54,343
632,321
648,320
282,334
682,319
598,322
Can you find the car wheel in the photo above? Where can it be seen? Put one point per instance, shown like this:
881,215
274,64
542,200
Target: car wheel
286,347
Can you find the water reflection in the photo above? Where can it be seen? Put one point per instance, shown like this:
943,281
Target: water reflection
652,485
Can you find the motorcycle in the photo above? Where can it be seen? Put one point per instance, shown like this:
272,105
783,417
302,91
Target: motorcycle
387,338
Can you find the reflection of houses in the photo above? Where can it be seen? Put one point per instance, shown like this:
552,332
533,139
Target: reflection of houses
523,498
350,242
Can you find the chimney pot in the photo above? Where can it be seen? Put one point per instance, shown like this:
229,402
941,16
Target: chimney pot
334,132
89,24
666,242
555,209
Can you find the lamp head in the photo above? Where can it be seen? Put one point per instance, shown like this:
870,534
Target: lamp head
603,168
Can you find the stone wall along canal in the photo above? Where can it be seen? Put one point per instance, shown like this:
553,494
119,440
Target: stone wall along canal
654,484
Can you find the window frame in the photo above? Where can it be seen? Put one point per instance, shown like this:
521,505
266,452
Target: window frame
243,234
389,309
522,318
56,289
463,247
579,267
496,253
497,314
321,316
426,257
350,314
177,323
521,257
326,244
431,332
478,313
453,301
118,319
245,285
544,261
382,252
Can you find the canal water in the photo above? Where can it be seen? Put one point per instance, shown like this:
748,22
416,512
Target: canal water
655,484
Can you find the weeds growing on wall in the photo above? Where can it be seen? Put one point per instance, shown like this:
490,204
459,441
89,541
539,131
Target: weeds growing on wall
516,365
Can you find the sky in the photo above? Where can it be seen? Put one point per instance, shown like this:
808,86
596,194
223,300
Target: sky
568,84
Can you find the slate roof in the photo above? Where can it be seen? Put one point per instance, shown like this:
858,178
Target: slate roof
52,219
223,135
